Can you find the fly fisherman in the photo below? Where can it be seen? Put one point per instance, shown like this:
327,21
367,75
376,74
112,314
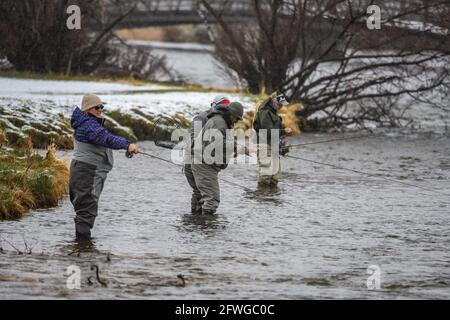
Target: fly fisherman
92,160
267,124
213,148
198,123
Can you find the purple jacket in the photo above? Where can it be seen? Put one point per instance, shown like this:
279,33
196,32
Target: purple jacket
89,129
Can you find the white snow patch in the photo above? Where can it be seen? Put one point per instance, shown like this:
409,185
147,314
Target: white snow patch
20,88
57,97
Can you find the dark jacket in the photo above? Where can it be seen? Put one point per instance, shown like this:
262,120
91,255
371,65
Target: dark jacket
200,118
89,129
267,118
217,120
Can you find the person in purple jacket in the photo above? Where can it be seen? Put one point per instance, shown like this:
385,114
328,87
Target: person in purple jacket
92,160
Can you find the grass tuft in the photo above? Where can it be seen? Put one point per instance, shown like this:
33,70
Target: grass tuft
3,138
30,181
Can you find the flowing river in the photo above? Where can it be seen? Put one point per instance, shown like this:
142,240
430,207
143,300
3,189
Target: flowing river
315,238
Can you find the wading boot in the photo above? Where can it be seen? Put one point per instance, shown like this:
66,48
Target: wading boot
82,232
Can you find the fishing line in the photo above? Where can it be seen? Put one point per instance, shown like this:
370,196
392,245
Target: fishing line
331,140
368,174
129,155
320,163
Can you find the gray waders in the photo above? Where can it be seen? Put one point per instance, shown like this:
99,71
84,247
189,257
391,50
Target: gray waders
207,181
85,186
196,197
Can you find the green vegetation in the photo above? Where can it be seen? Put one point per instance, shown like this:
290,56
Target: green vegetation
28,180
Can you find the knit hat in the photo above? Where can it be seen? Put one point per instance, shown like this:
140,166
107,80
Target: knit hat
220,100
89,101
236,109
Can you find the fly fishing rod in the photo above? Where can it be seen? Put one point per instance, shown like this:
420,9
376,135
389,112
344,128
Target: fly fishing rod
172,145
368,174
130,155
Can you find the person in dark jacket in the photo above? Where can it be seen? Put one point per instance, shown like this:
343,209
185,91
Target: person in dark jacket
206,167
92,160
267,124
198,123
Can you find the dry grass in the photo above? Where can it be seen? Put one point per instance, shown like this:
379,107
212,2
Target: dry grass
14,203
180,33
288,116
290,119
147,34
30,181
3,139
182,120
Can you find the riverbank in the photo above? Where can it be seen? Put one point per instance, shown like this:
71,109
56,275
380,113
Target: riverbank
29,180
41,107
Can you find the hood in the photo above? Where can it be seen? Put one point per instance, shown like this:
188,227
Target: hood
219,109
266,103
223,111
79,117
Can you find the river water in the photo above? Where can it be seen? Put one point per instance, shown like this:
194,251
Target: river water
315,238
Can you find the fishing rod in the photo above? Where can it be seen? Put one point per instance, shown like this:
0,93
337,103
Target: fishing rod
130,155
369,174
172,145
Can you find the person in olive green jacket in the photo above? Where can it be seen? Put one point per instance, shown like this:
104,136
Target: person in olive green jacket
270,133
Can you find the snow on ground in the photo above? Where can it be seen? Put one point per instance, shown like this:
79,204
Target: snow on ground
13,87
64,95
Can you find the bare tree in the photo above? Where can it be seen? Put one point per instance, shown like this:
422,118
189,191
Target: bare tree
260,53
323,54
142,64
35,38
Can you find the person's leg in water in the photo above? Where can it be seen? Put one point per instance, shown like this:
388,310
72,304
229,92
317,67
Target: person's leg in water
196,207
207,181
269,168
85,186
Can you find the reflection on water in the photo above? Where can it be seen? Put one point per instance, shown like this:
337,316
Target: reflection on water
80,246
206,224
265,194
314,237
